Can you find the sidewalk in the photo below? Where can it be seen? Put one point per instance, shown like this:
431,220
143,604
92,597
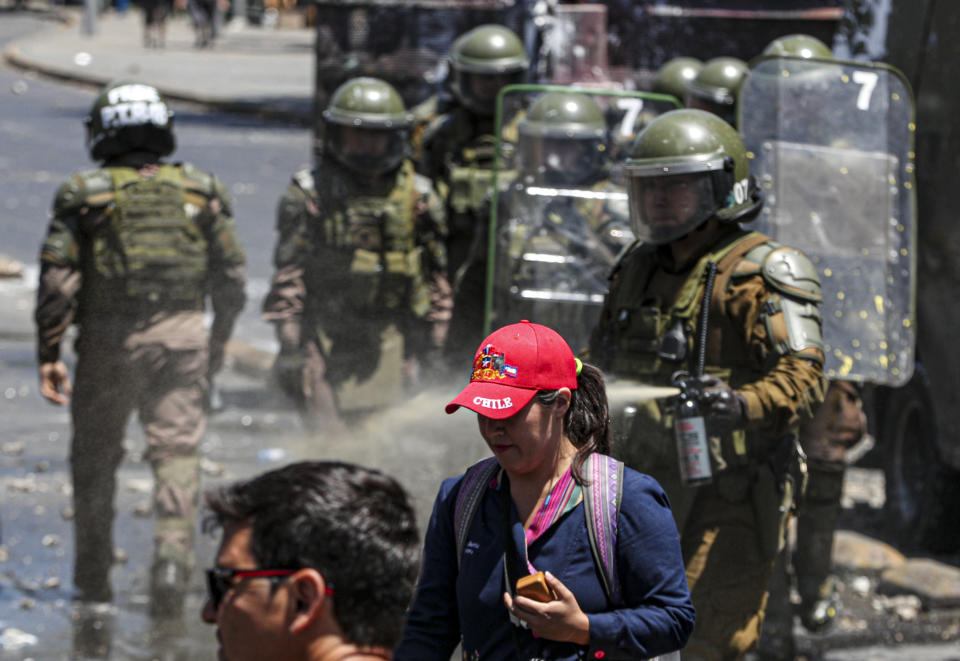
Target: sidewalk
250,69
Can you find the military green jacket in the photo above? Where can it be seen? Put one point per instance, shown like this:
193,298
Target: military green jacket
458,154
348,248
127,248
763,338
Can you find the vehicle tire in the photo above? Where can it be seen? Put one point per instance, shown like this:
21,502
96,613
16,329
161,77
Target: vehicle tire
922,496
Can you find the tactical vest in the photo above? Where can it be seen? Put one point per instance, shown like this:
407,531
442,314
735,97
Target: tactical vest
469,162
148,250
650,338
364,243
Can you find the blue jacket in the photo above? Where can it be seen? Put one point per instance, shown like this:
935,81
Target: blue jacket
657,617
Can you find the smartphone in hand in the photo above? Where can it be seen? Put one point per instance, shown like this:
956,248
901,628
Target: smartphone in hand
535,587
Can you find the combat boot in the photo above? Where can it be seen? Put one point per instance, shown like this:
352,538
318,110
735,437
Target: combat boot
819,614
93,628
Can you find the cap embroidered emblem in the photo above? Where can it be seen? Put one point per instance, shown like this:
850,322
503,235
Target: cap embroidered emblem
491,365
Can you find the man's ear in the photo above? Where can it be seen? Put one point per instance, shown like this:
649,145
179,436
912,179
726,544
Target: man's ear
308,599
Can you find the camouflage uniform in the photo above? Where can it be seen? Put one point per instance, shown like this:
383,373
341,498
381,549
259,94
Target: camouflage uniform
763,294
458,154
130,256
353,257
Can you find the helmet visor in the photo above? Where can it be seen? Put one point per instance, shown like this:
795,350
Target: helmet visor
665,208
478,91
563,161
367,150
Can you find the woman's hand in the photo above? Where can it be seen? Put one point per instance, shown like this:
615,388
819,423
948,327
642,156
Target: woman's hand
560,619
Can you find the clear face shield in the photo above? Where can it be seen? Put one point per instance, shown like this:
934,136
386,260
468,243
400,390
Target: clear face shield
561,161
478,91
664,208
367,150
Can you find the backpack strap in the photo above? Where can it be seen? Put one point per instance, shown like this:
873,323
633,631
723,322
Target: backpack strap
601,507
472,487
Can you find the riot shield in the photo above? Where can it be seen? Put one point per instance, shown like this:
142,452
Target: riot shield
558,227
831,143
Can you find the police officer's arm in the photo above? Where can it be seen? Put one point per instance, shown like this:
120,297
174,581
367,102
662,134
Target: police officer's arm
779,310
431,227
227,272
60,280
285,302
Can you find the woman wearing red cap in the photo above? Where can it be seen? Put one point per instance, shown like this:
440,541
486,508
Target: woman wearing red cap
544,416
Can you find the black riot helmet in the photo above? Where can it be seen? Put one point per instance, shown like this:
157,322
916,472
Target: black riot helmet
129,116
563,140
686,167
367,126
484,60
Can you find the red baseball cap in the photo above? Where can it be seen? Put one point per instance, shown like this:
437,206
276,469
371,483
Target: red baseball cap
512,364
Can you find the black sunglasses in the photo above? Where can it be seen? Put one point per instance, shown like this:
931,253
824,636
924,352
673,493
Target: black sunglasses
221,580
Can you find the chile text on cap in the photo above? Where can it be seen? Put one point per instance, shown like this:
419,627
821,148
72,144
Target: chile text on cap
511,365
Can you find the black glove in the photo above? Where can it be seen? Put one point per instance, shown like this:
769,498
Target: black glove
724,408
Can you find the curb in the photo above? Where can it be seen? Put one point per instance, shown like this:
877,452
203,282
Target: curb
13,56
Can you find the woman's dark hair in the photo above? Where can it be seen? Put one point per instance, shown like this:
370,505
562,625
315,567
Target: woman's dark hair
587,420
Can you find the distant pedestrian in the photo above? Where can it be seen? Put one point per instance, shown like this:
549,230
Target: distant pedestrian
155,14
317,563
134,250
203,13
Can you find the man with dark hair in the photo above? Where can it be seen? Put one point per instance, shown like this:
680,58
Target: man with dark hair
317,561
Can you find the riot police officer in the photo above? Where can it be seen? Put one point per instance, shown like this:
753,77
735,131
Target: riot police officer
564,221
715,87
134,250
698,291
458,155
360,249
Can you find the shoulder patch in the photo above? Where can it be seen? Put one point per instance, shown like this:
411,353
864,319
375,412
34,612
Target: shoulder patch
792,273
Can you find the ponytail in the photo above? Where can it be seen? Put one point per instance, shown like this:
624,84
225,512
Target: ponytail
587,420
